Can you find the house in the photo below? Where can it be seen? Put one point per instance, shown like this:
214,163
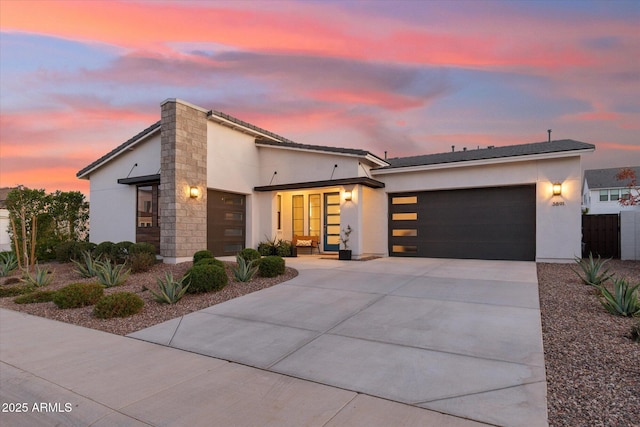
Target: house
199,178
602,191
5,238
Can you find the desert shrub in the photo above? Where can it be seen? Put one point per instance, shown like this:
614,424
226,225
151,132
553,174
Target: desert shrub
88,267
205,278
106,250
170,291
623,300
11,280
40,277
8,263
275,247
119,304
142,247
72,250
593,271
141,261
271,266
78,295
283,249
14,291
245,270
249,254
121,251
110,275
210,261
205,253
35,297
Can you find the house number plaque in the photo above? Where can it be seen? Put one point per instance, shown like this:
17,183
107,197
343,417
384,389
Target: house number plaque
557,204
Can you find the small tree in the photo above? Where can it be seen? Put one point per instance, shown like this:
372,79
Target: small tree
629,175
24,206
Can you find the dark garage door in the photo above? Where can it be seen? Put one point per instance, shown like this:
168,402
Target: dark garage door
480,223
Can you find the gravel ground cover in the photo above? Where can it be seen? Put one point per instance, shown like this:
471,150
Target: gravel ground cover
592,364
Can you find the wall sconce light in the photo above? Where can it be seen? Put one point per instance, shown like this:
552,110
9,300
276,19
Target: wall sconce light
194,192
347,195
557,189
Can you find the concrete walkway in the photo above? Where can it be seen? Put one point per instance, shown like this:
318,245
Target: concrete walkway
391,341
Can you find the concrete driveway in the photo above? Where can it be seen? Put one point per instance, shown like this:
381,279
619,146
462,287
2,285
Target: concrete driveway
460,337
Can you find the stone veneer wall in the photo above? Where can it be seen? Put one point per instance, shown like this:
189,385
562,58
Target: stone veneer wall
183,220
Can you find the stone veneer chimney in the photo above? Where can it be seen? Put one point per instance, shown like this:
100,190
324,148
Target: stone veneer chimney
183,220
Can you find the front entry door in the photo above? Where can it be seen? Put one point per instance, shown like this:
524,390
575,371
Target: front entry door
332,222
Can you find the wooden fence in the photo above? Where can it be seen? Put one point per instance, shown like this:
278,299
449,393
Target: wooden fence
601,235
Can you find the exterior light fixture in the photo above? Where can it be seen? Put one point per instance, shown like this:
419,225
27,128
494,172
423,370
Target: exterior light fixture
194,192
557,189
347,195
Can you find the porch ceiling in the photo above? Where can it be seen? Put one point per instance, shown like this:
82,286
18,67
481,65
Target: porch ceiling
363,180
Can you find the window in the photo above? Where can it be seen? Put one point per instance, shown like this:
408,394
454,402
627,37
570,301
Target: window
404,200
615,194
147,214
298,215
625,194
604,195
404,216
314,215
279,209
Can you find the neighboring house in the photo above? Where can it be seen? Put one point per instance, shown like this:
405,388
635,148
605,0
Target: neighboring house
5,238
202,179
602,191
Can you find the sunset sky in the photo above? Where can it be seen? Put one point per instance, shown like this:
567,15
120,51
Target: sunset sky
78,78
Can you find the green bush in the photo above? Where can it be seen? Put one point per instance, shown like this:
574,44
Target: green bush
593,271
141,261
283,249
170,291
142,247
106,250
624,299
121,251
210,261
205,278
271,266
275,247
72,250
249,254
119,304
13,291
35,297
205,253
78,295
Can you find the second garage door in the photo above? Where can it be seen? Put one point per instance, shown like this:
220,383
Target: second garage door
481,223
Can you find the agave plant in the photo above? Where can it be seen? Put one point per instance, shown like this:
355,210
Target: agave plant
40,278
8,263
170,290
624,299
89,266
594,272
109,275
245,270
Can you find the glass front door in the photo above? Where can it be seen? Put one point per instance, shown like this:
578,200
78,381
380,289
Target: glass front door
332,222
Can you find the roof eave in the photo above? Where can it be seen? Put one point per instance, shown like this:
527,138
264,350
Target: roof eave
368,156
482,162
239,127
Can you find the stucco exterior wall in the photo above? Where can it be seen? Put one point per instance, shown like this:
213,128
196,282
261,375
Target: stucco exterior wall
558,229
375,222
113,206
5,239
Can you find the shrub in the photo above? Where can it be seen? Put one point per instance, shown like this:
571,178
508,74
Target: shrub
8,263
283,249
249,254
210,261
11,281
88,267
122,250
105,250
13,291
35,297
119,304
142,247
271,266
78,295
624,299
141,261
275,247
41,277
594,274
109,275
635,332
245,269
72,250
205,253
205,278
170,290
